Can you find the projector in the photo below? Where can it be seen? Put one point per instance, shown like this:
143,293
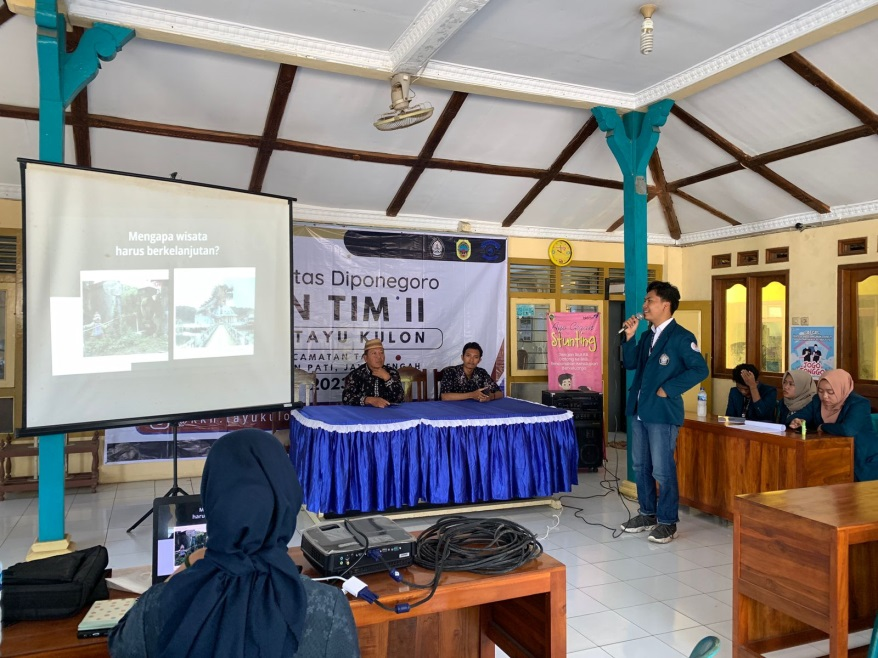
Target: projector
342,547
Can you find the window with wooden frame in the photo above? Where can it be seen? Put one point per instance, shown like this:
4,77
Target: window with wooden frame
858,326
751,323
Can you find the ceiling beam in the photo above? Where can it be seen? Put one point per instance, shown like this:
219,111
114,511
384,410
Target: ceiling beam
594,181
552,172
168,130
816,144
814,76
79,111
745,160
79,120
435,24
5,14
452,107
667,204
17,112
283,84
704,206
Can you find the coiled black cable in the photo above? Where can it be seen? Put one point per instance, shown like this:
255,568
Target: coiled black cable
485,546
458,543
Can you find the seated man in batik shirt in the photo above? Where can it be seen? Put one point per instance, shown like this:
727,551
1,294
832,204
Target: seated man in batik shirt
468,381
374,383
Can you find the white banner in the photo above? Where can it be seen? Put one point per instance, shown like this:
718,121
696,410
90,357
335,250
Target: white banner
424,296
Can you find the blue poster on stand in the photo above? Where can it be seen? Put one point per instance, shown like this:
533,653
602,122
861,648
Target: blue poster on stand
812,349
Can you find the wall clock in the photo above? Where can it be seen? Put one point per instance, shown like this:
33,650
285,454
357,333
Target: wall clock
560,252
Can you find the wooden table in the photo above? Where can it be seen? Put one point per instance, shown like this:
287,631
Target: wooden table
716,462
805,559
524,613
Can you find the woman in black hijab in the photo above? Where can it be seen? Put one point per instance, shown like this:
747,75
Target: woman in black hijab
245,596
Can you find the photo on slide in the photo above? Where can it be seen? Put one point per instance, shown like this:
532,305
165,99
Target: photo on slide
214,312
124,313
186,540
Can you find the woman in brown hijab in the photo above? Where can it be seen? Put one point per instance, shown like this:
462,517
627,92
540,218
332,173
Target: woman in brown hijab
837,410
798,388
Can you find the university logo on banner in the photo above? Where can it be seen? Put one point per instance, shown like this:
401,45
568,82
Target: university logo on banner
574,351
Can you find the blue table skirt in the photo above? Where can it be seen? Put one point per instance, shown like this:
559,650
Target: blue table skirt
366,459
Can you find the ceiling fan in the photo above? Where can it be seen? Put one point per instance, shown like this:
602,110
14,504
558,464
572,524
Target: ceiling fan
401,115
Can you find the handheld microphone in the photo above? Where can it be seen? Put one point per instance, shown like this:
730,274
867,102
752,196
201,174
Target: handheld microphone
639,316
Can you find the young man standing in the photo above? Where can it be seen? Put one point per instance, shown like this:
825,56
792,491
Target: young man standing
667,362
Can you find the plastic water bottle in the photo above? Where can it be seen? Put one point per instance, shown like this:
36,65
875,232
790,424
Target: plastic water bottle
702,402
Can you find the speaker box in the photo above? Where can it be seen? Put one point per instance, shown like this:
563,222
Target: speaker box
589,440
588,422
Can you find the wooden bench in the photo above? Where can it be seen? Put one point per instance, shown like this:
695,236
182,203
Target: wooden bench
11,448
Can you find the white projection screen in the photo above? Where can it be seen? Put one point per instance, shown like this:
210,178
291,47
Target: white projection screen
151,300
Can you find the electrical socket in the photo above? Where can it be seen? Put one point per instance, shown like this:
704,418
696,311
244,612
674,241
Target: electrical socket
795,321
803,321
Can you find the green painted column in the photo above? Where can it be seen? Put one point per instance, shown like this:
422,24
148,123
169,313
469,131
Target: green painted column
632,138
62,77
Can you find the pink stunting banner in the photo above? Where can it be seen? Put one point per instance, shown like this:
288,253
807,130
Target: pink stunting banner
574,351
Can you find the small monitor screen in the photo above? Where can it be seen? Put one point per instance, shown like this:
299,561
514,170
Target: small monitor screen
179,527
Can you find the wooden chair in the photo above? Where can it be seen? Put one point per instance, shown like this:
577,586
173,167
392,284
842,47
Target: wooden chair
437,380
304,386
411,377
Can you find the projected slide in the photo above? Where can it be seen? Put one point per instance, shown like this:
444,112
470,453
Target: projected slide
151,299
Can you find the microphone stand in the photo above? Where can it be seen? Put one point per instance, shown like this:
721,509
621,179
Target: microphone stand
174,490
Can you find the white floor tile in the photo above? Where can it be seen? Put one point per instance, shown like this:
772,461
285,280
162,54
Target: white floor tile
702,608
647,647
566,557
725,570
569,539
597,652
657,617
618,595
667,562
662,588
627,569
723,596
704,580
586,575
609,627
705,556
576,641
579,603
597,553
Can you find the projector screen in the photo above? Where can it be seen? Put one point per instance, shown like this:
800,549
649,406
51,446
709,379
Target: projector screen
151,300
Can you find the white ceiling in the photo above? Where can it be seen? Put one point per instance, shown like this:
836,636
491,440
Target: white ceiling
531,71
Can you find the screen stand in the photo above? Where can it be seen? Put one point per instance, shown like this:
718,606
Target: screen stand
174,490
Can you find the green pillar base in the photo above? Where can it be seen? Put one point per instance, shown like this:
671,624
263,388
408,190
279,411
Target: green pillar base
42,549
628,489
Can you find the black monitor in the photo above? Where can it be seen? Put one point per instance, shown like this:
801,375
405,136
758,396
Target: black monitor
179,526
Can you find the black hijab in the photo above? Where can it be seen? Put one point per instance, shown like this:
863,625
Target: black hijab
244,598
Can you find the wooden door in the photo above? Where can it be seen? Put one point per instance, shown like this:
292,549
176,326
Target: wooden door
696,317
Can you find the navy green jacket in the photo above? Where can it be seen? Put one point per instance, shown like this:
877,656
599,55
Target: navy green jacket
765,409
854,419
675,365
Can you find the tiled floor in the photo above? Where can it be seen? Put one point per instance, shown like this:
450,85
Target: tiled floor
626,597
